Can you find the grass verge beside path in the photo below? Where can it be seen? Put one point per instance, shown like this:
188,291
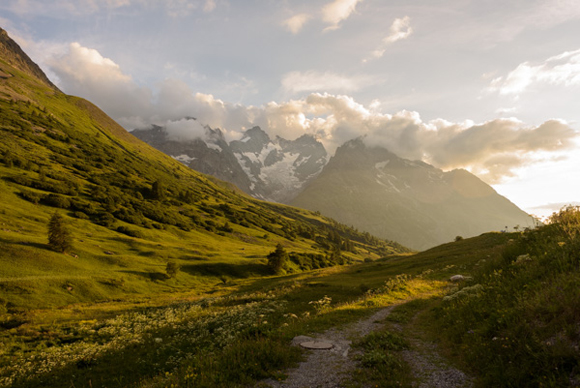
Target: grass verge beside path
191,341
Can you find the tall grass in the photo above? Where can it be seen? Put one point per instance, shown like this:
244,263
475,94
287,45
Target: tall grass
517,324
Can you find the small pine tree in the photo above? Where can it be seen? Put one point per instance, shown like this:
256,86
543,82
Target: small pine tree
158,190
59,238
172,269
278,259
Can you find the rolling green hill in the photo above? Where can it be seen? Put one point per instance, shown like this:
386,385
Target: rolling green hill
130,209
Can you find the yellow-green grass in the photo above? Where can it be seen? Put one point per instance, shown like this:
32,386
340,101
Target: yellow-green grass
355,291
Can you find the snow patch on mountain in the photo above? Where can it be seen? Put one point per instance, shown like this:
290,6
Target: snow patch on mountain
185,159
381,165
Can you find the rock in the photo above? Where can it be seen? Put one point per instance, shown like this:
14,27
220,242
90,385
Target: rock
300,339
317,345
457,278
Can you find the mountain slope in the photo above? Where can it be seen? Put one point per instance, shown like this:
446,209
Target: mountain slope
131,209
407,201
275,170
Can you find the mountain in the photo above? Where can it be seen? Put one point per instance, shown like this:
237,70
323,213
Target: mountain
275,170
411,202
13,55
211,156
132,211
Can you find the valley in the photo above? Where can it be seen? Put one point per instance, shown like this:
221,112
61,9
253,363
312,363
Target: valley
122,267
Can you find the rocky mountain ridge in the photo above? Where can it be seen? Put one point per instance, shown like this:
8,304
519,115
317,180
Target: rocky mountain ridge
270,169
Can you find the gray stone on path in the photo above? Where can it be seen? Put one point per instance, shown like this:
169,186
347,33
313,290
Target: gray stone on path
317,345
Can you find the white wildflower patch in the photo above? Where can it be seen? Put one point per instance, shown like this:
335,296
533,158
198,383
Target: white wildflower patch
465,292
180,330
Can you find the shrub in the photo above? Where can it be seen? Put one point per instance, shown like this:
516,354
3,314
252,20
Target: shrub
31,196
278,260
59,238
129,231
172,269
56,200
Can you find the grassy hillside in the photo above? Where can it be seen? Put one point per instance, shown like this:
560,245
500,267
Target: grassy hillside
230,338
130,209
517,323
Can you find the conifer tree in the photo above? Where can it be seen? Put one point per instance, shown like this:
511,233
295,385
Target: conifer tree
172,269
278,259
59,238
158,190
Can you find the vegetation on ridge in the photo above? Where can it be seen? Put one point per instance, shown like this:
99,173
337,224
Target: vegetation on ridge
516,323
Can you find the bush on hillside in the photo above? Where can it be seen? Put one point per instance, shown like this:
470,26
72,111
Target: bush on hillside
59,238
278,260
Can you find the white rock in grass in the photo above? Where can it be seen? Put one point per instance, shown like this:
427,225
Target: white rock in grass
457,278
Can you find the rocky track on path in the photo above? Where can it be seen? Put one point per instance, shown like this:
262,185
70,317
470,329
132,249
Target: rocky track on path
334,368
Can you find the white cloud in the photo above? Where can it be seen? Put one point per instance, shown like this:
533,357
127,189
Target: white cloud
185,129
400,29
85,72
335,12
309,81
296,22
559,70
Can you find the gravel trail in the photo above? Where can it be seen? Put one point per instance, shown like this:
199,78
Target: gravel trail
333,368
330,368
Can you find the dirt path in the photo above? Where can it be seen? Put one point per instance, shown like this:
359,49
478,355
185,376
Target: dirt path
431,370
333,368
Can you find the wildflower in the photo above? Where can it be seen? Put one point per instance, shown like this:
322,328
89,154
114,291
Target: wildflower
158,340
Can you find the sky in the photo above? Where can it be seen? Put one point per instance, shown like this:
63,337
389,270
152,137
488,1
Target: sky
490,86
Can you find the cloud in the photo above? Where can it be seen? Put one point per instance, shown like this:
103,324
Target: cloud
493,150
185,129
209,6
296,22
560,70
337,11
309,81
400,29
85,72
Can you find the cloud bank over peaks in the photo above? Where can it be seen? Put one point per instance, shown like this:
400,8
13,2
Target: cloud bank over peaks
492,150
